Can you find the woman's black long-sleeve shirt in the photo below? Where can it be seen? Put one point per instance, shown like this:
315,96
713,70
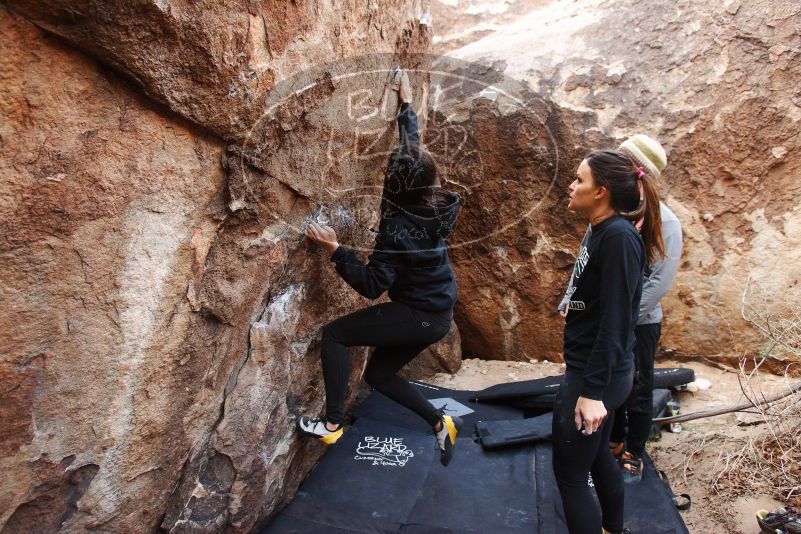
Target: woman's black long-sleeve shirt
410,256
604,305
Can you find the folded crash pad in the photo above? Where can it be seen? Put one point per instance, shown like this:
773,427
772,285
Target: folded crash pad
516,432
537,396
672,377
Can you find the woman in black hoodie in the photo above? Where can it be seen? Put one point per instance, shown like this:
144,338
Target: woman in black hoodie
410,261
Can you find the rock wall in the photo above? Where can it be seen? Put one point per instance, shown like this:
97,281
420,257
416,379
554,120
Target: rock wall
162,308
159,159
716,84
512,248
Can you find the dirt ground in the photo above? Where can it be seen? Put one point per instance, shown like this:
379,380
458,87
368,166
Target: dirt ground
690,463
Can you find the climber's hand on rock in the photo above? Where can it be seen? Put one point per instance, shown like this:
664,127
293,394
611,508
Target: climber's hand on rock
325,236
405,88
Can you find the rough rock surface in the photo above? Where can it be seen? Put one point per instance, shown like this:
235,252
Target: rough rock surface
513,245
717,84
108,202
460,22
214,62
161,307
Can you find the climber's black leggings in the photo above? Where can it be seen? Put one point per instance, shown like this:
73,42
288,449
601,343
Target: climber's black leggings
399,333
575,456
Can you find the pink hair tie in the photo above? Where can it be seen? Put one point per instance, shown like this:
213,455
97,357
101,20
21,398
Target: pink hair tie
640,173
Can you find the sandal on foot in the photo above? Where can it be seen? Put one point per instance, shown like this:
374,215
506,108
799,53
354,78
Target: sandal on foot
617,448
782,520
631,467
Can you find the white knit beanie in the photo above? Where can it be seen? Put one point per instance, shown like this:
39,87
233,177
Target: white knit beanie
646,152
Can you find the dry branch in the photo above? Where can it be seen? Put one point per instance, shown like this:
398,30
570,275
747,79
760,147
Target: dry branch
729,409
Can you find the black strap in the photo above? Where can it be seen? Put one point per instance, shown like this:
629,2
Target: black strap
683,506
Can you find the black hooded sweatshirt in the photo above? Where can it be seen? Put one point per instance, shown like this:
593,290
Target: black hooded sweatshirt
410,257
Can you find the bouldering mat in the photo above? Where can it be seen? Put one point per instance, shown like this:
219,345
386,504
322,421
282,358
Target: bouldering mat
537,396
648,508
383,476
380,408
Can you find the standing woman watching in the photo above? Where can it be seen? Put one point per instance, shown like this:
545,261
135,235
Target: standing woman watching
633,420
410,261
604,298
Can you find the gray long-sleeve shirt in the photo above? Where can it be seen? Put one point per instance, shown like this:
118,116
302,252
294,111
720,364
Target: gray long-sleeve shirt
659,274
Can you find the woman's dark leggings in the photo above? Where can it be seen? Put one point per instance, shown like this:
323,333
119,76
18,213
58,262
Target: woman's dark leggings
398,333
575,456
638,410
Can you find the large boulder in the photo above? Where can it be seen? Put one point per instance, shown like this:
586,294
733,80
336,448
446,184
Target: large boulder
161,306
214,62
716,83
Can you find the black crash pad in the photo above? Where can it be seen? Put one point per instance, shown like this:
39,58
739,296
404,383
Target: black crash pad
517,432
383,476
547,386
381,408
648,508
499,491
661,399
537,396
649,505
672,377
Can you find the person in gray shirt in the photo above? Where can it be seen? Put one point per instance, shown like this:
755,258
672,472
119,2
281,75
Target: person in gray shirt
636,414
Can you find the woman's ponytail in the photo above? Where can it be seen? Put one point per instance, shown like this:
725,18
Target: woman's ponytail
648,218
622,178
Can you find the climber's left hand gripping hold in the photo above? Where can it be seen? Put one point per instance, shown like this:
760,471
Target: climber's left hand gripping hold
325,236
